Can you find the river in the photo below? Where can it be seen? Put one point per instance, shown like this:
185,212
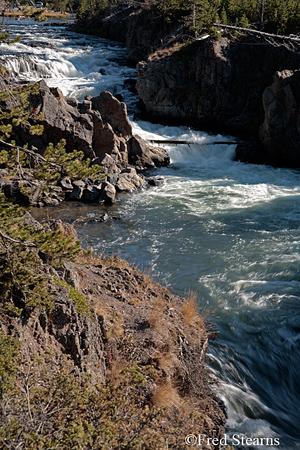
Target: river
226,230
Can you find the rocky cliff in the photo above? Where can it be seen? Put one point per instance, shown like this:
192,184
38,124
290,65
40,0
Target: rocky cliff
137,25
217,85
280,131
225,85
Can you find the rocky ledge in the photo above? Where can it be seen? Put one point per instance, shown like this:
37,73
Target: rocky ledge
100,128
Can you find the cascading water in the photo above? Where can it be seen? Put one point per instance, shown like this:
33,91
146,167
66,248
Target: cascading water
227,230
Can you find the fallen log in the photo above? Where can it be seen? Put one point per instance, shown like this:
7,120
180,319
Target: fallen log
174,142
291,38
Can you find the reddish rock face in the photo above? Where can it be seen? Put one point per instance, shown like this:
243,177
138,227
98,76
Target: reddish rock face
113,112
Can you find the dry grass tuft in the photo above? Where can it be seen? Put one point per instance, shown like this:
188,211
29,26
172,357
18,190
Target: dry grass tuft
115,374
156,319
166,396
118,330
168,362
68,230
115,261
164,52
190,309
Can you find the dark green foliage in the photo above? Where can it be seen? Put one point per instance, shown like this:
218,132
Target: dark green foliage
16,111
59,163
199,15
23,253
86,6
59,5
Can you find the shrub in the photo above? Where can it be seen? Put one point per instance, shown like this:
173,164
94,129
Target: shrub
50,408
23,253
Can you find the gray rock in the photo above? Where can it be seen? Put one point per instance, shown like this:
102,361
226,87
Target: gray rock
155,181
85,106
108,163
31,222
142,155
50,201
25,192
112,178
92,193
113,112
129,181
72,101
103,218
280,132
108,193
66,184
78,188
81,336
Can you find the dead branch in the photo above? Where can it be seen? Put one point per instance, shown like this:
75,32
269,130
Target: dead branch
14,241
28,152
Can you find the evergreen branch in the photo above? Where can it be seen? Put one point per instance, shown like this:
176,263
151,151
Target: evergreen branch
14,241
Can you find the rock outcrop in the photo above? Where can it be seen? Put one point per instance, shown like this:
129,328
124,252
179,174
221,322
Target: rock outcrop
280,132
223,85
80,336
217,84
100,128
135,24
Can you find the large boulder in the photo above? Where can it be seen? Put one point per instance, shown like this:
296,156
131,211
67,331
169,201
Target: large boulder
108,193
62,120
113,112
99,126
129,180
142,155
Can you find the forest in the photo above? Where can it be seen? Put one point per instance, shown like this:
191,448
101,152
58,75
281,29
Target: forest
269,15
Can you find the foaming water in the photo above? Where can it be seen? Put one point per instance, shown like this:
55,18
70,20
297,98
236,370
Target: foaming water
227,230
79,65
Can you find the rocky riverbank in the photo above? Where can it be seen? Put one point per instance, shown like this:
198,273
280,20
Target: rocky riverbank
98,127
243,86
